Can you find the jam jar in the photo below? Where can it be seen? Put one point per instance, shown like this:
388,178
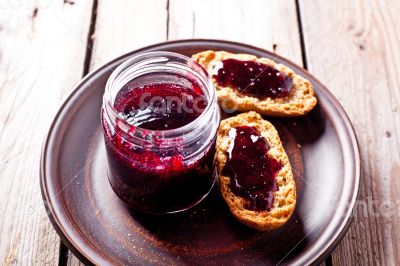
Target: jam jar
160,118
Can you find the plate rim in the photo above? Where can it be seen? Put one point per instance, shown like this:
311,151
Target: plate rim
324,250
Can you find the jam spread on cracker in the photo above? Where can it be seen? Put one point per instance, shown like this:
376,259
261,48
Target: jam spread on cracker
252,78
251,170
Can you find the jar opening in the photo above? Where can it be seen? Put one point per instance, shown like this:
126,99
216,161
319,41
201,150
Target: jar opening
160,95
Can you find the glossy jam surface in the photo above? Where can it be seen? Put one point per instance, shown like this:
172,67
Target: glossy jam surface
251,170
252,78
161,106
149,178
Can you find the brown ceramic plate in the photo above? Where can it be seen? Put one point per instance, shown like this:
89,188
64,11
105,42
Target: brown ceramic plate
100,229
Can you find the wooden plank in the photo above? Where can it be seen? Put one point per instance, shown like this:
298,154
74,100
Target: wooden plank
123,26
352,46
42,51
268,24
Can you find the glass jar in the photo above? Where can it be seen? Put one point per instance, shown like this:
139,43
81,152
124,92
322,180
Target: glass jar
160,118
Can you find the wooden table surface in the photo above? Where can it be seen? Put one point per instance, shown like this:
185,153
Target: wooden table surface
47,46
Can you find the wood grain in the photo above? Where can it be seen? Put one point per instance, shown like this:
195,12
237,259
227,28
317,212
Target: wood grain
271,25
352,46
125,25
42,51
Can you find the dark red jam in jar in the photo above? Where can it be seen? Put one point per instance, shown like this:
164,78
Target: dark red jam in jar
252,78
251,170
160,119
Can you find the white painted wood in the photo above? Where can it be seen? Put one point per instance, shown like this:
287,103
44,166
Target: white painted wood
125,25
268,24
42,50
353,47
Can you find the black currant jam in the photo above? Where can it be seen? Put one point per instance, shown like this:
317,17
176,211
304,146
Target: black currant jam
160,106
251,170
253,78
160,129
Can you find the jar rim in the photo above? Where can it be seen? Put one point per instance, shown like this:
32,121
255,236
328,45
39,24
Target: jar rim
159,57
